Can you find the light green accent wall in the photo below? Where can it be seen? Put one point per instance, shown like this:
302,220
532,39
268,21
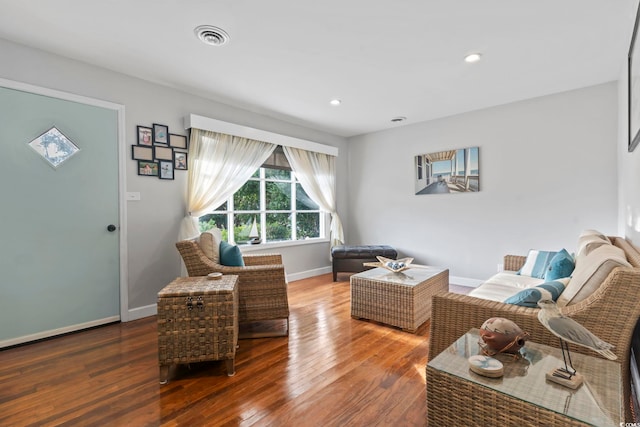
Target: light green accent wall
59,264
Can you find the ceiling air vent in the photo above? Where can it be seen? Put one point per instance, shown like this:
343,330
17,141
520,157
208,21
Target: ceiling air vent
211,35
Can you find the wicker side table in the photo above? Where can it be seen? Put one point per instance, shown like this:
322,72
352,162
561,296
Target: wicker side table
197,322
397,299
522,397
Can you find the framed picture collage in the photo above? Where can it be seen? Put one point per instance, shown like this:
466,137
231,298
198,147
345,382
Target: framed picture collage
158,152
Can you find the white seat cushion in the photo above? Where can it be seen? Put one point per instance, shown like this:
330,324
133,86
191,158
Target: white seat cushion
504,285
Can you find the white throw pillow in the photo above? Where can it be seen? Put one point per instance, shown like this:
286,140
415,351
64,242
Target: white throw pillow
210,244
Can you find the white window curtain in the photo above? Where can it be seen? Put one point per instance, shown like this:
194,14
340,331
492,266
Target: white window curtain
219,165
317,175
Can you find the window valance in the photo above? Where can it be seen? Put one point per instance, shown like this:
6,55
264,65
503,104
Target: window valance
214,125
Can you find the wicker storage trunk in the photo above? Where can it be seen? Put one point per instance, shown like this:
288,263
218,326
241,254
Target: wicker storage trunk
197,322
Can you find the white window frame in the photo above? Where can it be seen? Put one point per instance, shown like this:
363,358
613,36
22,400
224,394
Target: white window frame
262,213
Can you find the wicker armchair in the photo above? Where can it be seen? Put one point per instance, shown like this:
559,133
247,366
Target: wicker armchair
262,286
611,313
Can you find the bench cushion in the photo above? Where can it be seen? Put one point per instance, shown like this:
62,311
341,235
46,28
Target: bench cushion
363,252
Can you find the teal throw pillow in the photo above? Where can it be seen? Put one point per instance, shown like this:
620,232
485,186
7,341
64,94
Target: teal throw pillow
536,263
561,265
529,297
230,255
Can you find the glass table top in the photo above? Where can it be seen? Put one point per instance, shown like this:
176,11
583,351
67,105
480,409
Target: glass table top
410,277
597,401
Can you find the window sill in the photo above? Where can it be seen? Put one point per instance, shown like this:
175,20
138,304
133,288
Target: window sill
273,245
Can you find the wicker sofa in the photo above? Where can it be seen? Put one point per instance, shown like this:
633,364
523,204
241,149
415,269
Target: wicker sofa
611,312
262,285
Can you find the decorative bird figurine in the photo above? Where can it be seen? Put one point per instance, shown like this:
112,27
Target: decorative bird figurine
570,331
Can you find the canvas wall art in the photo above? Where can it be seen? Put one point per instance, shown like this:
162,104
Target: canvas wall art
451,171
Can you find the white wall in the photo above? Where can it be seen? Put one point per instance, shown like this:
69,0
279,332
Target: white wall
629,168
547,171
153,222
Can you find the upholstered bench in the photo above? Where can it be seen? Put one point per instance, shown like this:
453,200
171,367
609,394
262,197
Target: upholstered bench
350,258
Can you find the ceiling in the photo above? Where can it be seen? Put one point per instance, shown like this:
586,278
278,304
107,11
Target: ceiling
288,58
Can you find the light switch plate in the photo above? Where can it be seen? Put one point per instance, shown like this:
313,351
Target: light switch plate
133,195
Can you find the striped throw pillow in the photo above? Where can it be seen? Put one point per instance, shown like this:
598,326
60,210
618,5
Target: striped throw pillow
536,263
529,297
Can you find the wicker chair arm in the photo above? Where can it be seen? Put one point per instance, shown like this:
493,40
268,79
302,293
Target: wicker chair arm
514,262
262,259
247,269
452,315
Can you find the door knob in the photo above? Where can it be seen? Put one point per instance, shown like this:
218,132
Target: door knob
111,228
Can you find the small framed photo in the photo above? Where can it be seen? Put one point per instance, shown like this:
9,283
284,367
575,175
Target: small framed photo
147,168
180,160
163,153
166,169
160,134
144,136
177,141
140,152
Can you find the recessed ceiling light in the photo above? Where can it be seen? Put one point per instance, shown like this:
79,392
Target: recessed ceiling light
211,35
472,57
335,102
398,119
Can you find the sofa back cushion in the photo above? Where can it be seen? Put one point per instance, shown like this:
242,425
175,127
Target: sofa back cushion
588,243
591,270
210,244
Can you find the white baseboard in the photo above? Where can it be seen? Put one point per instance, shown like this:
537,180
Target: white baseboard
57,331
141,312
309,273
152,309
465,281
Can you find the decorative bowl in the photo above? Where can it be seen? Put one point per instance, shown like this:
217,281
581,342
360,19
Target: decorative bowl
395,265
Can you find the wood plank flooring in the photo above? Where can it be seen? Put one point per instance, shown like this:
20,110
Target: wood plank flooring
331,370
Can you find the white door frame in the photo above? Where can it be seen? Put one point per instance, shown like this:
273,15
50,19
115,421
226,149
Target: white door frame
122,205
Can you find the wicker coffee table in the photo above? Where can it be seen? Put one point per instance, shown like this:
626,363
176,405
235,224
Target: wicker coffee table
522,397
397,299
198,322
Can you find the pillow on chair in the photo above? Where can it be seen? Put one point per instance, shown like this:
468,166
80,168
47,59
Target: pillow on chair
230,255
210,244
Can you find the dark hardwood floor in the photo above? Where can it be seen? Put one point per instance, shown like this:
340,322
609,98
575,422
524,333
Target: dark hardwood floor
331,370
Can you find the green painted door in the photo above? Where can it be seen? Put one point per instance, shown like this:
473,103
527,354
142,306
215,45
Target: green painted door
59,265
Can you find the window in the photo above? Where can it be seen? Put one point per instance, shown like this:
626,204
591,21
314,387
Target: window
276,201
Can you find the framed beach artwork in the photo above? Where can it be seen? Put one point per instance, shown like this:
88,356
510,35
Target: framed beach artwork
449,171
